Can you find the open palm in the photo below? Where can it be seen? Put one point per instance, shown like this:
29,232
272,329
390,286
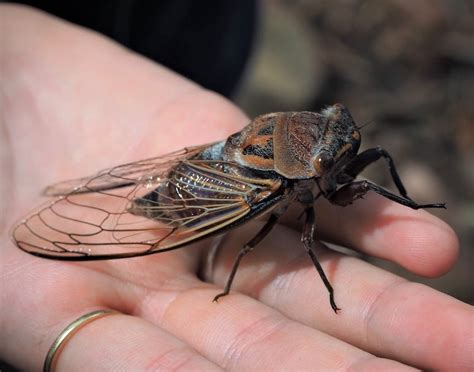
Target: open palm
74,103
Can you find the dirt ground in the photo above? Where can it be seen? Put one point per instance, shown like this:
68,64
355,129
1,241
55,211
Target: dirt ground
407,67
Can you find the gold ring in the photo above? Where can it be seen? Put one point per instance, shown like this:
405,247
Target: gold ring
68,332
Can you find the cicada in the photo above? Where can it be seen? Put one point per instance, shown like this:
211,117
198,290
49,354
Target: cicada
167,202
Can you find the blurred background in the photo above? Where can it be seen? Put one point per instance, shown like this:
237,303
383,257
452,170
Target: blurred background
407,67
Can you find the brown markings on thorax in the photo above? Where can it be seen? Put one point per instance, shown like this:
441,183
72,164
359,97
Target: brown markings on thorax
253,146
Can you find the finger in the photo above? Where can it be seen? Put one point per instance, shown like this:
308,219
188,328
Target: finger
114,342
414,239
381,313
239,333
129,343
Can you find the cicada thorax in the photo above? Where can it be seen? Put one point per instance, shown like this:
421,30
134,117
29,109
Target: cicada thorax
296,145
253,146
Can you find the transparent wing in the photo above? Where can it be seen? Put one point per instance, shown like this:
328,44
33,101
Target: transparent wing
123,175
144,207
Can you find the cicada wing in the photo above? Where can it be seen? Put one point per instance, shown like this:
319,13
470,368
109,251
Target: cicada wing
139,210
123,175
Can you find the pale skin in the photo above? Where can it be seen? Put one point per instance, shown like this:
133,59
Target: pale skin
74,102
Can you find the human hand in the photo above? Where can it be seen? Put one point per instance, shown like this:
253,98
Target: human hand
74,103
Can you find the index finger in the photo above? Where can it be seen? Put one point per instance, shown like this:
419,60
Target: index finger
414,239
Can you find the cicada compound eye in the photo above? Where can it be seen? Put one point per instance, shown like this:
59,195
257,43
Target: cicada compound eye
323,163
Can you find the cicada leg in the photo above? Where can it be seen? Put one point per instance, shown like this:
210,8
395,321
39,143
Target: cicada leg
355,190
307,238
263,232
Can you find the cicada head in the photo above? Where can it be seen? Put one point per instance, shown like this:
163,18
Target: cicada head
296,145
339,140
